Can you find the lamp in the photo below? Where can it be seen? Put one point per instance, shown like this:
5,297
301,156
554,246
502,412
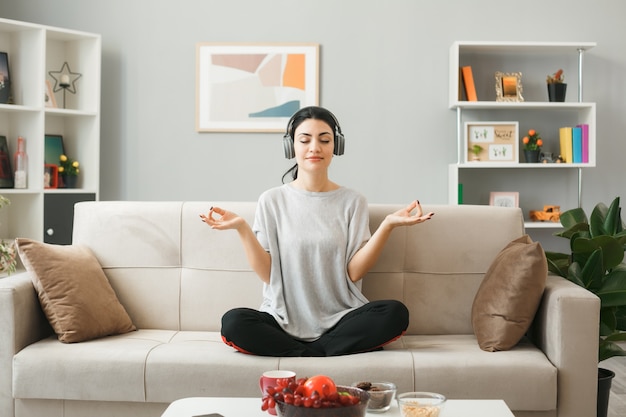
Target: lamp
65,80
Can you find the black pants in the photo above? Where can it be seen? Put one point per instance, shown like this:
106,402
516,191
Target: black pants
365,329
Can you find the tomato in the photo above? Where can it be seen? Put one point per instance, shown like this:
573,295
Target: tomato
321,384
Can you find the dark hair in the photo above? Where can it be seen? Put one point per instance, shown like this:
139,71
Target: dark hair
305,113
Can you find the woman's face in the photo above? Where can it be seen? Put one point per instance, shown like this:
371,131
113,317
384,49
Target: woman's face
313,144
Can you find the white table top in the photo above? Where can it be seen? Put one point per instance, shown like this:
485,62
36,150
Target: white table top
251,407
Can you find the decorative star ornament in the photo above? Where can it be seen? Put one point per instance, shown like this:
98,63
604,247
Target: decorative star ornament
64,79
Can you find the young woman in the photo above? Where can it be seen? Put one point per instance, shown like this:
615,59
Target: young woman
311,245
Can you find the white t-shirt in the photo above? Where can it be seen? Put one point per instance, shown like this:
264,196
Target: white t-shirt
311,237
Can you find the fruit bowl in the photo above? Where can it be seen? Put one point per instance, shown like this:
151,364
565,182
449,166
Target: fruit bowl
357,410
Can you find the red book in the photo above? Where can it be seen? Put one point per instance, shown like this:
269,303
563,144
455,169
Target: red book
468,80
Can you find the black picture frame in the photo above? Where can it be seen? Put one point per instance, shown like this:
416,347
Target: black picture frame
5,79
6,173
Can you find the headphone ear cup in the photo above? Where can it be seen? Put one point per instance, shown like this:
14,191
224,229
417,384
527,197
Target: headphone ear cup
288,146
340,143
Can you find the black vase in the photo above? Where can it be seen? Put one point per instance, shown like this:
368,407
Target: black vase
69,181
556,91
531,156
605,377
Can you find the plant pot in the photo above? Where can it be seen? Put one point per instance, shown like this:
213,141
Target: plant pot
556,92
605,377
69,181
532,156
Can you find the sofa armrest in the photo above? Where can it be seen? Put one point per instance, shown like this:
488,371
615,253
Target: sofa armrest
21,323
566,329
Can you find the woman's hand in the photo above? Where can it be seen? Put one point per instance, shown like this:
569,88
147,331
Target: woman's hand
224,220
403,217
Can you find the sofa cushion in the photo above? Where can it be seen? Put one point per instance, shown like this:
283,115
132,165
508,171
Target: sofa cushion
509,295
74,292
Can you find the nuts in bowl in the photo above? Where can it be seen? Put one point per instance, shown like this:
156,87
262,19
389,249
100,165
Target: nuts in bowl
420,404
381,395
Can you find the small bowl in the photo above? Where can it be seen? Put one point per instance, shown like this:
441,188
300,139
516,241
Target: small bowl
358,410
381,395
420,404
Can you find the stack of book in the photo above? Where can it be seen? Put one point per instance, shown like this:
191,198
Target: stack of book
574,143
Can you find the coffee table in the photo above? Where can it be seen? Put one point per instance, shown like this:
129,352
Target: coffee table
251,407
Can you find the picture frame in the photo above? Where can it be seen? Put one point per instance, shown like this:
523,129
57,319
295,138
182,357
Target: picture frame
50,176
49,99
509,86
254,87
5,79
6,173
504,198
53,149
498,140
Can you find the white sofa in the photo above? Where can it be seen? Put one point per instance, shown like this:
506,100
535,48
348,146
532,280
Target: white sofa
176,277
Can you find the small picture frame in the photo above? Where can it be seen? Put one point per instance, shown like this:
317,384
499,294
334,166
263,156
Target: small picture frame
50,176
5,79
491,142
49,99
509,86
504,198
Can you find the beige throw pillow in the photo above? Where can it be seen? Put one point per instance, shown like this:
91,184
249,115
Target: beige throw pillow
74,292
509,295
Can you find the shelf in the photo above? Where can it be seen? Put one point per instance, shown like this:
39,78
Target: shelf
520,165
542,225
507,105
562,184
533,48
18,108
34,50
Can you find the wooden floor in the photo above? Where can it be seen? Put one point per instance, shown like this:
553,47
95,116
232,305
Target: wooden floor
617,400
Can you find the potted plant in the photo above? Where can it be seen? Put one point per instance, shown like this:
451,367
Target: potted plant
8,257
556,86
532,146
476,150
68,171
596,262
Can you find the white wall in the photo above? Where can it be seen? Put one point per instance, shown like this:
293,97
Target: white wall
384,73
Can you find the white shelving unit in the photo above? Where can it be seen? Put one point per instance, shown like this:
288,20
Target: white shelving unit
33,51
537,183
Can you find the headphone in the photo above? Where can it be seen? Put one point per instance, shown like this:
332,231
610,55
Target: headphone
340,140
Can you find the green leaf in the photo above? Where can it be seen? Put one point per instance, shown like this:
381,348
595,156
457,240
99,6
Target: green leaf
571,218
574,274
608,321
558,263
609,349
620,315
612,292
596,221
613,221
593,271
616,337
612,250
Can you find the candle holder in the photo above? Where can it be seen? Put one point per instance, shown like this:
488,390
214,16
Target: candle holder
65,80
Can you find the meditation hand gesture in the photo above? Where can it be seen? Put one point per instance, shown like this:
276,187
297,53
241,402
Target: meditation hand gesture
403,217
226,220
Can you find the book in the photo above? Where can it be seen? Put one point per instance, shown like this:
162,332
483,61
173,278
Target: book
565,140
585,142
577,145
468,81
462,96
6,173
